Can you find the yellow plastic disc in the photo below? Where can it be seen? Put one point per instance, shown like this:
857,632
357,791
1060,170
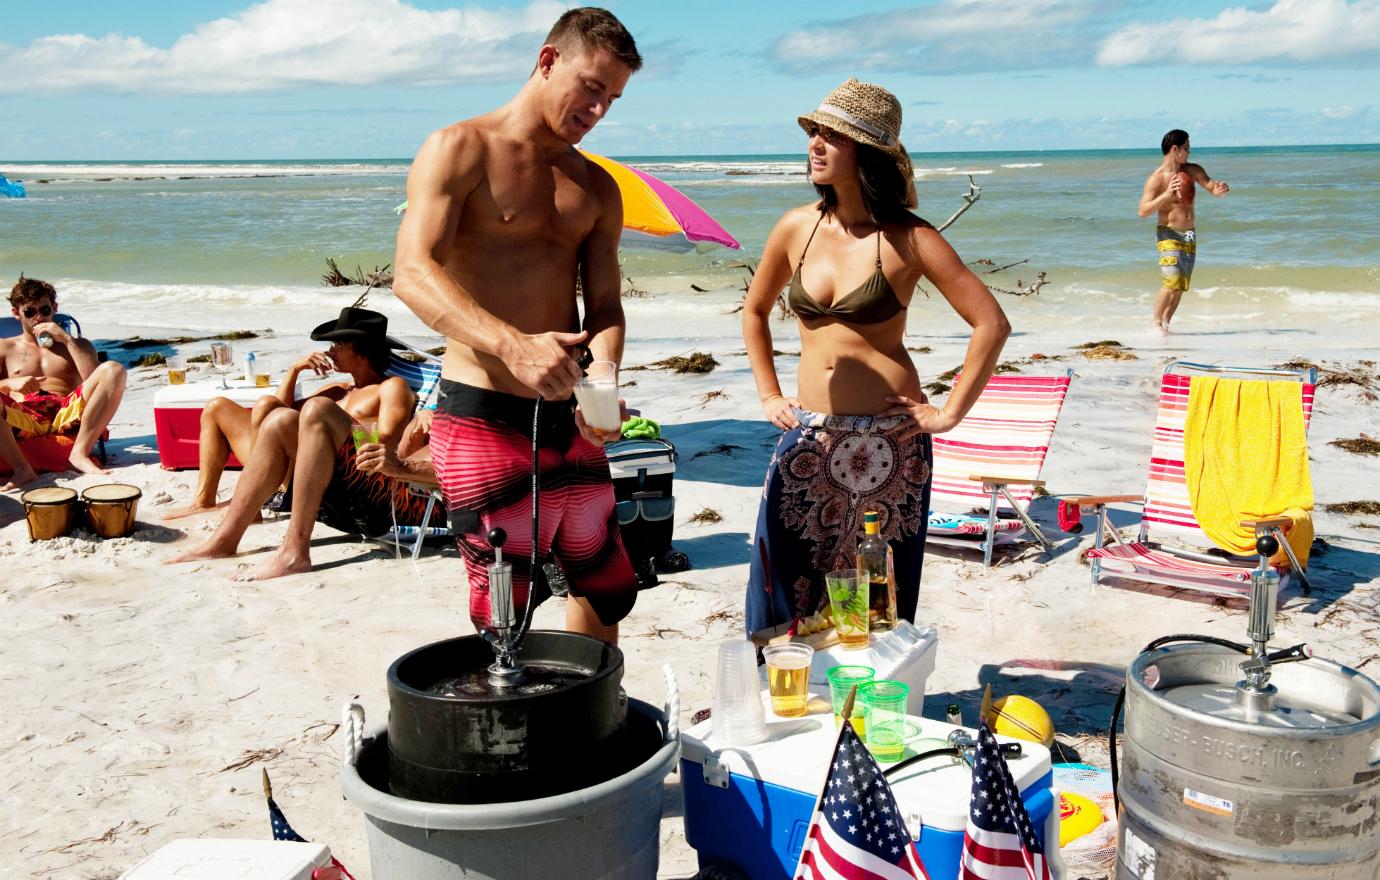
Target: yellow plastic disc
1077,816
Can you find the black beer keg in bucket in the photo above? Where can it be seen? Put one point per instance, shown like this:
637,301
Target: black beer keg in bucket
453,737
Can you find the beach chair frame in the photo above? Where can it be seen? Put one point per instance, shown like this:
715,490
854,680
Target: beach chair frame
425,380
998,489
1184,567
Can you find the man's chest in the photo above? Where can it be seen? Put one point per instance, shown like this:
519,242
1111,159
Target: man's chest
34,360
540,201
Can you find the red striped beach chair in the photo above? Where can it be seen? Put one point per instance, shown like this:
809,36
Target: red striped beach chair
990,464
1169,514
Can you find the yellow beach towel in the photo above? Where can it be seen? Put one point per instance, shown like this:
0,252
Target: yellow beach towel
1246,457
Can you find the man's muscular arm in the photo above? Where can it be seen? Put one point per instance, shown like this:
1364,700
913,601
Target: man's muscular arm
600,279
1152,198
447,169
1199,174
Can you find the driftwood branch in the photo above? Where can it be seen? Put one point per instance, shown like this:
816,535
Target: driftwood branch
970,198
1021,289
379,277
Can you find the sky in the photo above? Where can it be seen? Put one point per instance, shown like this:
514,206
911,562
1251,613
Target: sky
343,79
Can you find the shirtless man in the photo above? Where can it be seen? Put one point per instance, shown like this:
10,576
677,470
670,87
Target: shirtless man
361,352
1169,192
504,215
51,380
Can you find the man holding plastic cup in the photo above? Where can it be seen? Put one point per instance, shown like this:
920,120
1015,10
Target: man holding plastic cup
505,220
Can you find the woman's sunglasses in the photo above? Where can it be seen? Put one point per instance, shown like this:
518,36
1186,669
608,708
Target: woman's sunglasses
30,311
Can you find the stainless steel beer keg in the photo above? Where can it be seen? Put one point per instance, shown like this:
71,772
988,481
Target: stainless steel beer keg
1239,769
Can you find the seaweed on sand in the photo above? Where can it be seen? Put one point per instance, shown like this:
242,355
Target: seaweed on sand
1362,445
1355,508
697,362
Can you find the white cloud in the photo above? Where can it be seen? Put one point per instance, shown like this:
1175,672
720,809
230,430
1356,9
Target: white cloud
282,44
1290,30
1339,112
950,36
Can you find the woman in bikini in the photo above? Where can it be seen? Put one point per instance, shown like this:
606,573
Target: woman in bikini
856,436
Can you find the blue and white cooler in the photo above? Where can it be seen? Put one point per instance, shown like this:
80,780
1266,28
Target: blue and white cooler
747,808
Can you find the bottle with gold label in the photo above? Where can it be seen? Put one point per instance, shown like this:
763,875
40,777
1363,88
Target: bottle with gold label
876,568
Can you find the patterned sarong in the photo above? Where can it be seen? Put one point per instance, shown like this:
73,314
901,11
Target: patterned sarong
823,476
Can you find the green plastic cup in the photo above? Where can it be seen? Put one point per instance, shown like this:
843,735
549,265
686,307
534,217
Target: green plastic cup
842,680
364,432
848,598
884,713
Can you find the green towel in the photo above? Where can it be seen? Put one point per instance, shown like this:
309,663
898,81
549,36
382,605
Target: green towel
638,428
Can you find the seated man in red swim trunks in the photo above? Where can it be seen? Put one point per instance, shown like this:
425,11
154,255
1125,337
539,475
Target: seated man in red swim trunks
51,382
504,214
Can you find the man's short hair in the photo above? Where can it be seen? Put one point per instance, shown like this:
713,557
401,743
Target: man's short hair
591,28
31,290
1175,137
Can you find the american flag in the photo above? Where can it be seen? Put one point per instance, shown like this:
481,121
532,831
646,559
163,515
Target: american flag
856,831
999,842
283,831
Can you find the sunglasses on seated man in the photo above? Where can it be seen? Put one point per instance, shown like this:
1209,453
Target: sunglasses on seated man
30,311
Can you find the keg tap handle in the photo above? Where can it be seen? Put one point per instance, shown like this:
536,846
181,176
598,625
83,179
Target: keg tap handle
502,615
1261,628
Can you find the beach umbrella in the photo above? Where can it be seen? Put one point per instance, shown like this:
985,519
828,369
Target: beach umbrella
656,213
654,208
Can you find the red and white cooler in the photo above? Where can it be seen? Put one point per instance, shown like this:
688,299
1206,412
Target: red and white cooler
177,418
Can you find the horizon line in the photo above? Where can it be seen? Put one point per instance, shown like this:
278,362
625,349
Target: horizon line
403,160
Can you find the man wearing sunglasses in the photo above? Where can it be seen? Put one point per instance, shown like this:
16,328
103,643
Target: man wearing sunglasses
51,382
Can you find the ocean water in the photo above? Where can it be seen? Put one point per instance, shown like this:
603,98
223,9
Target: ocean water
207,244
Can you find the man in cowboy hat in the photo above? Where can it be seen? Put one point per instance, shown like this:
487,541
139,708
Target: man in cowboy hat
504,217
359,348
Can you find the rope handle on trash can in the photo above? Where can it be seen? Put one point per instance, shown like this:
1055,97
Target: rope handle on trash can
352,725
671,711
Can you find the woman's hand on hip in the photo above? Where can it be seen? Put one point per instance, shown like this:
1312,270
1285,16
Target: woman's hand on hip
781,411
920,418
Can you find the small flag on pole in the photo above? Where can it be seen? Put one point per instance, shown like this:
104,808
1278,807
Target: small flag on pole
283,831
857,831
999,842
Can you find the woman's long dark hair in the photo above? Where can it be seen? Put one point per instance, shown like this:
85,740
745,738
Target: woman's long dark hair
884,188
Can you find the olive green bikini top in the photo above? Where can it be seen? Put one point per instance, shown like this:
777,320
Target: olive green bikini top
872,302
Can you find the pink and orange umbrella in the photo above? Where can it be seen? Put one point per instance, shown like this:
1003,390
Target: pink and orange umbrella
653,207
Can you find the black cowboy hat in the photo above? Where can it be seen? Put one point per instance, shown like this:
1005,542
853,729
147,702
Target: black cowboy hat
357,325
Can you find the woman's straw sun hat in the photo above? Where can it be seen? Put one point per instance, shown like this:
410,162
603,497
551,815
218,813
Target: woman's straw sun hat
866,114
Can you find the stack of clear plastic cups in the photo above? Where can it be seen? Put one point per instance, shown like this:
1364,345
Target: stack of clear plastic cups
738,717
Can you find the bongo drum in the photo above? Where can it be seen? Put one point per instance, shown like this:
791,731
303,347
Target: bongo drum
110,508
49,511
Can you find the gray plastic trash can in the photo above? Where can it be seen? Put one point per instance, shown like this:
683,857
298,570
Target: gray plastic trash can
609,830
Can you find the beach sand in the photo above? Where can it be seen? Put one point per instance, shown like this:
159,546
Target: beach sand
139,701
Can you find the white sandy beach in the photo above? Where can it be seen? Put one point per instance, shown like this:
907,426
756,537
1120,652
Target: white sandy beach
139,701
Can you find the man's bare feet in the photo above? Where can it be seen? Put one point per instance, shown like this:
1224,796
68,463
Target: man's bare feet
209,550
20,478
193,509
277,565
1159,327
84,464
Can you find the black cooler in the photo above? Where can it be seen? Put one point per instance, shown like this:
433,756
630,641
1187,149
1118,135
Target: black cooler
643,471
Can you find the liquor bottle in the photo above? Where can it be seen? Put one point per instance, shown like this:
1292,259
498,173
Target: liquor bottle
875,566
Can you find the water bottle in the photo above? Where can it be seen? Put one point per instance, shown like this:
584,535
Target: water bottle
44,340
249,367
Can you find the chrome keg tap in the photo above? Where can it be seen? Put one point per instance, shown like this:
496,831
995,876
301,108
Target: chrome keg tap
502,630
1256,693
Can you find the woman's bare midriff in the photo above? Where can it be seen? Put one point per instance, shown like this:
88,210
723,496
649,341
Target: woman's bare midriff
850,370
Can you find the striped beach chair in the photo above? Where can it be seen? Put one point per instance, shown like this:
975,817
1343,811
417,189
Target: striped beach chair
987,469
1168,512
422,373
